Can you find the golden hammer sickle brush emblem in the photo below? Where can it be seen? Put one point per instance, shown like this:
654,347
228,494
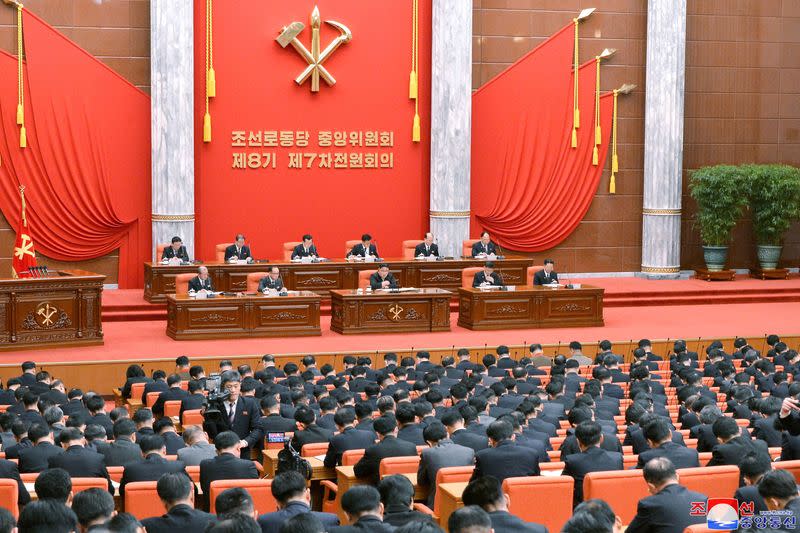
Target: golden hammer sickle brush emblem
315,59
395,310
47,313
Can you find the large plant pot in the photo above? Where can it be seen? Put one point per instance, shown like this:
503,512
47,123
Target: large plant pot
768,256
715,257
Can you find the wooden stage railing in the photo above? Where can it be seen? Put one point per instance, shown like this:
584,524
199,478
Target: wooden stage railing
104,376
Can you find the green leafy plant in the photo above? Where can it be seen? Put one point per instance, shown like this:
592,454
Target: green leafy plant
774,196
720,194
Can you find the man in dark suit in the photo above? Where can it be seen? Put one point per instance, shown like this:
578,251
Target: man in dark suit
96,406
576,416
592,458
165,428
9,470
77,460
305,249
309,432
487,493
196,399
733,446
670,504
31,414
764,428
408,428
154,465
547,275
397,497
364,248
779,491
426,248
176,491
389,446
454,423
442,453
227,464
271,422
505,458
175,249
290,491
28,376
159,384
753,467
201,282
487,277
362,505
238,413
348,438
35,459
659,436
123,450
484,246
173,393
383,279
272,281
238,250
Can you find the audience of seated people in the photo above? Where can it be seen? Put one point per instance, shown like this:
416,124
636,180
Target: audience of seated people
504,417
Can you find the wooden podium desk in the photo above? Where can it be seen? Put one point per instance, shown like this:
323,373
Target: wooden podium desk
62,309
159,280
250,315
530,307
390,312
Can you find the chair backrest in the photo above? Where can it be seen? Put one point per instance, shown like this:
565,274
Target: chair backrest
704,458
172,408
288,248
408,248
468,274
530,271
552,466
450,474
194,473
253,279
622,489
466,247
9,496
160,249
136,391
219,251
348,245
710,480
182,283
259,490
398,465
115,472
629,461
314,448
363,278
546,500
151,398
192,417
791,466
83,483
142,501
30,477
351,457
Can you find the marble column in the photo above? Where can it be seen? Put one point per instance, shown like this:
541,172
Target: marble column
451,113
663,138
172,120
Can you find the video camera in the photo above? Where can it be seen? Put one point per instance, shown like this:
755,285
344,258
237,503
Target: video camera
215,397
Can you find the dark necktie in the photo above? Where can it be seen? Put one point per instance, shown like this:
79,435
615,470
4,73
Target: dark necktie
232,412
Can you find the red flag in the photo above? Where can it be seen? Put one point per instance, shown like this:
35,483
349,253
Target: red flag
24,256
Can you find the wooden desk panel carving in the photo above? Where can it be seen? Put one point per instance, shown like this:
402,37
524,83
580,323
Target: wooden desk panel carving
388,312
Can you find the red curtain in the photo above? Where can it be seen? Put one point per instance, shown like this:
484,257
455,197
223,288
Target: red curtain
530,189
87,165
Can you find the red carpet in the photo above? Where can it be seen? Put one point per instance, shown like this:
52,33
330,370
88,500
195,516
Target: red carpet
147,339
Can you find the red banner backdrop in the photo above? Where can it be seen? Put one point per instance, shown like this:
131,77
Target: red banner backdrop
87,164
530,189
259,105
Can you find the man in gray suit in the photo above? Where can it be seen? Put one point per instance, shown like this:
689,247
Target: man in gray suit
442,453
124,449
197,447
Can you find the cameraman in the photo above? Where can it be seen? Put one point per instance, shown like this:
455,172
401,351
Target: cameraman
230,411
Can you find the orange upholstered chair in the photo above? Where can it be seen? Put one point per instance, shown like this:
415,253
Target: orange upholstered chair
142,501
546,500
348,245
115,472
622,489
408,248
710,479
253,279
182,283
529,274
791,466
466,247
314,448
351,457
552,466
9,496
363,278
194,473
399,465
30,477
151,398
160,249
288,248
172,408
192,417
83,483
468,274
448,474
259,490
220,251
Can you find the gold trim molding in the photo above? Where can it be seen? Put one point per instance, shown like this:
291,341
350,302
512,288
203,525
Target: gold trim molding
171,218
661,212
449,214
661,270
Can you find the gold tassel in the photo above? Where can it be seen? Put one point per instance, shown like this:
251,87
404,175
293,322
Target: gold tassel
612,186
576,112
23,138
614,163
412,86
207,128
574,138
212,83
595,156
576,118
20,115
415,131
211,76
597,135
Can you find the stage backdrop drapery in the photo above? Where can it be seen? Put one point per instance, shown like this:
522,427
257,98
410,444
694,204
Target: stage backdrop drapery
87,165
256,92
530,189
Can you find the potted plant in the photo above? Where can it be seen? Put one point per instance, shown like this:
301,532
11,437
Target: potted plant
720,197
774,192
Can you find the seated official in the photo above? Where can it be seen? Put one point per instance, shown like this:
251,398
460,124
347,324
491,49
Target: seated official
306,249
238,250
364,248
201,282
177,249
383,279
547,275
427,248
487,277
484,247
487,493
272,281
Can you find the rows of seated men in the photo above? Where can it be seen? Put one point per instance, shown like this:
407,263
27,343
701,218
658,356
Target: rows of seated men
498,416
